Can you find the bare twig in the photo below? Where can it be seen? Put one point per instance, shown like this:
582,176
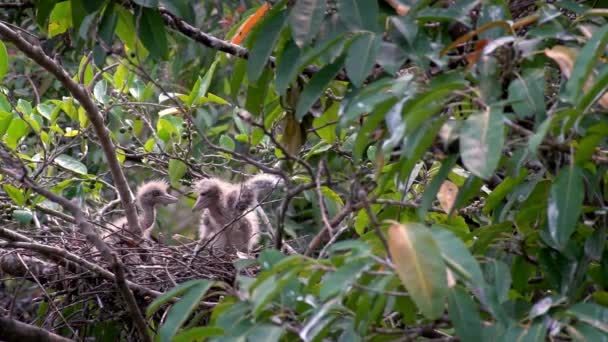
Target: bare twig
14,331
81,94
12,167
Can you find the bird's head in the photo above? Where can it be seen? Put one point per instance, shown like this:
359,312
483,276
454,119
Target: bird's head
207,191
154,192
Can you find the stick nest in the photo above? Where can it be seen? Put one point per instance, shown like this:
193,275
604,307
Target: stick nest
152,265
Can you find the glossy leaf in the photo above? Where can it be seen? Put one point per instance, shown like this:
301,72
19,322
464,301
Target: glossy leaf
14,193
341,279
71,164
287,69
315,88
152,32
481,142
420,267
565,204
197,334
464,315
60,19
5,121
3,60
267,37
359,14
305,20
180,311
177,170
585,62
361,57
457,256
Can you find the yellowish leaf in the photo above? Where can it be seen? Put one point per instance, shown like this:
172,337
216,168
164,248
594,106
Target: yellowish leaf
447,195
419,265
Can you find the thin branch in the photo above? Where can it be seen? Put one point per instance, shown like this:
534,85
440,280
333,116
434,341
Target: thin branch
14,331
215,43
81,94
12,167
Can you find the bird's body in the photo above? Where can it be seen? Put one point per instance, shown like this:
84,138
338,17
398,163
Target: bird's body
227,218
149,195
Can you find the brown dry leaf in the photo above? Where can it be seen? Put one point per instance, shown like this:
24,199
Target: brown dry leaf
473,57
400,8
565,57
447,195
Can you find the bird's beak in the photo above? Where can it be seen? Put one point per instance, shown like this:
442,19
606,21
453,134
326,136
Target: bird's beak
168,199
202,202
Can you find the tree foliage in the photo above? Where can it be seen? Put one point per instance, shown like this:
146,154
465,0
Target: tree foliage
445,162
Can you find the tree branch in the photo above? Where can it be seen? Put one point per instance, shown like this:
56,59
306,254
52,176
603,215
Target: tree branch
12,167
215,43
80,93
14,331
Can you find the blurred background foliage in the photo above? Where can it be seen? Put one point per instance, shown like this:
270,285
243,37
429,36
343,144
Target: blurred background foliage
456,151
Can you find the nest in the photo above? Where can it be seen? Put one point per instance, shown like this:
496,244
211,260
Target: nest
53,278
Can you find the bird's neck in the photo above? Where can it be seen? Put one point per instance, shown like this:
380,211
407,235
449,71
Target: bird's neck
218,212
148,216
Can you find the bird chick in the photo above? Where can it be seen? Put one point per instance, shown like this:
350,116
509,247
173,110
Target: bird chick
225,204
149,195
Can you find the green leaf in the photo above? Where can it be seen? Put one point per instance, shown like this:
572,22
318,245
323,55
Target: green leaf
267,37
325,125
265,333
457,256
3,60
286,68
585,61
317,85
71,164
16,130
499,277
23,216
5,121
147,3
169,295
372,121
481,142
100,91
359,14
14,193
565,204
592,314
238,74
361,57
430,192
305,20
256,93
420,266
227,142
181,310
198,334
107,25
340,280
527,94
61,18
269,289
464,315
152,33
177,170
536,139
201,86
